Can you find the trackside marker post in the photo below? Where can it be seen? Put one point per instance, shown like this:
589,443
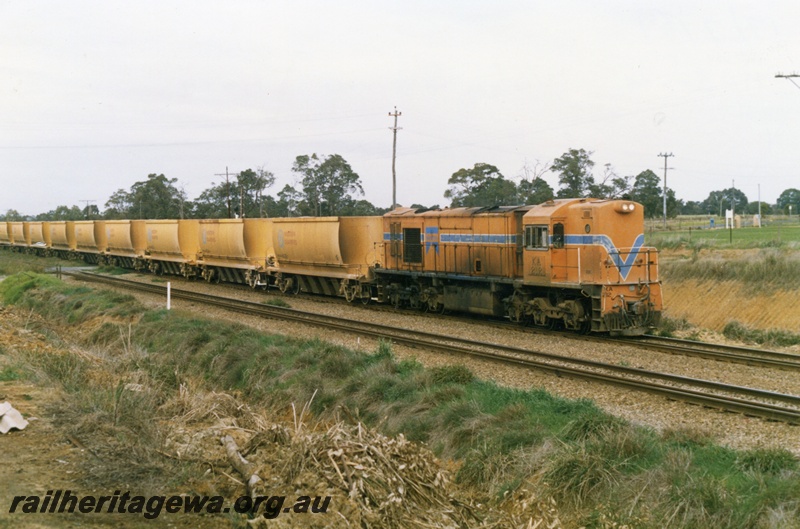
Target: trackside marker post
169,294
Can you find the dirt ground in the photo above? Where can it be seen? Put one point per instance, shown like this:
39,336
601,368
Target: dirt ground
42,457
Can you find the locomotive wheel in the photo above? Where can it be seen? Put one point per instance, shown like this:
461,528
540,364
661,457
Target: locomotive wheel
515,314
555,324
414,301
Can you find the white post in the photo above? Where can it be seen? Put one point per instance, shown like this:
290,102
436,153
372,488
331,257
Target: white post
169,294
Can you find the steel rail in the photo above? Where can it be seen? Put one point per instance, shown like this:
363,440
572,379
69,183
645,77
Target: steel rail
724,352
634,378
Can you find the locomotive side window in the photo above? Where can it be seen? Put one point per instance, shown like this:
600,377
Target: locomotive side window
536,237
558,235
412,245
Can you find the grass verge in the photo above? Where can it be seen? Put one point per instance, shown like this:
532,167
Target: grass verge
604,472
765,271
771,337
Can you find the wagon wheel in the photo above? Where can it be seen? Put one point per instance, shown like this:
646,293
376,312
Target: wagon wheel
294,288
350,293
365,298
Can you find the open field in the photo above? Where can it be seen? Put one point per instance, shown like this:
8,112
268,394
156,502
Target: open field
12,262
688,235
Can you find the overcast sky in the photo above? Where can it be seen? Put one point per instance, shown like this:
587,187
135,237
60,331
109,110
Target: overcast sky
95,95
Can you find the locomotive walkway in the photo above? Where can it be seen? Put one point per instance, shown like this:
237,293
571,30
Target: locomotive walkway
745,400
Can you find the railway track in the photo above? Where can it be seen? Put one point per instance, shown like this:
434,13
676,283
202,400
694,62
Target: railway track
721,352
709,351
748,401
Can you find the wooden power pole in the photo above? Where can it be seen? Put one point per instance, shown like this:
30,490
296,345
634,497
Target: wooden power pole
665,155
227,190
394,155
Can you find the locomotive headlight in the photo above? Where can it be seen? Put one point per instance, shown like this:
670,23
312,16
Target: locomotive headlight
625,207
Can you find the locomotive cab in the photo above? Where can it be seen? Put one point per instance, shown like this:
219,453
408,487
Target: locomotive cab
585,266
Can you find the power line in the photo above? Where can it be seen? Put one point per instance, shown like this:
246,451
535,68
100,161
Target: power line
789,77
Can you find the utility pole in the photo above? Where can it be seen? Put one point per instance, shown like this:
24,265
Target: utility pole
227,189
665,155
394,155
759,206
86,207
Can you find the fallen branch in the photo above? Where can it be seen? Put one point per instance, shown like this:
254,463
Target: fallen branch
245,469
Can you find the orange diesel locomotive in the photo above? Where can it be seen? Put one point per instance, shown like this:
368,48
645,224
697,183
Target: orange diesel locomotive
576,263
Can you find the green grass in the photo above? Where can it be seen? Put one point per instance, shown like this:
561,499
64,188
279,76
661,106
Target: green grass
772,337
113,270
766,270
10,373
773,236
55,299
13,262
601,469
276,302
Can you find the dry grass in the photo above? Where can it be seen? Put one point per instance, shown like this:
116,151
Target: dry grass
154,397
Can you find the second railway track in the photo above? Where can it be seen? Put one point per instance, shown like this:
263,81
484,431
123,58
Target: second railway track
748,401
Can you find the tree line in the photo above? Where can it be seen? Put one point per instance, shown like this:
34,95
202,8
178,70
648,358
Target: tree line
328,185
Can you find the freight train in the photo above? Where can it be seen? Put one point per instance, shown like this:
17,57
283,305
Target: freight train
577,264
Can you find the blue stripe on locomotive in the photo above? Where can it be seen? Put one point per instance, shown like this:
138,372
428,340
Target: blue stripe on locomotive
623,265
